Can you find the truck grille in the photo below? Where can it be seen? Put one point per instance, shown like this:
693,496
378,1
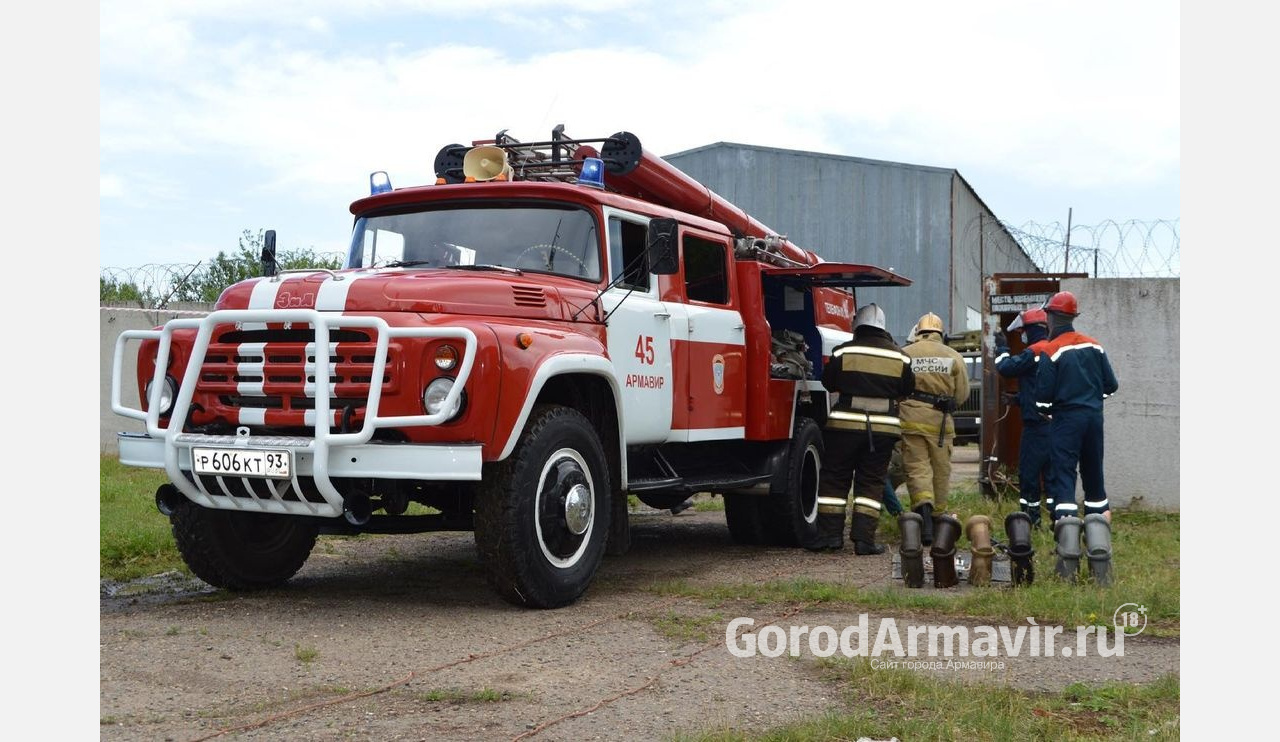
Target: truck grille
247,490
275,369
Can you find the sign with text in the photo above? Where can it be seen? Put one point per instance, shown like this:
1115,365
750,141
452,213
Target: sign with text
1016,302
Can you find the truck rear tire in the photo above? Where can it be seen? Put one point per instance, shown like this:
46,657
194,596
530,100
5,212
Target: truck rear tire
241,551
542,515
793,510
746,518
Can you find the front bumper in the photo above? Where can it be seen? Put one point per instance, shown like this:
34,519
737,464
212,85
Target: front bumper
431,462
317,459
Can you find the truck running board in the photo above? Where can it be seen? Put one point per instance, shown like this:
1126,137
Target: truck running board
693,485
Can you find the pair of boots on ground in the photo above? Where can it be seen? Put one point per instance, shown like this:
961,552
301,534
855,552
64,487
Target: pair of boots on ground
1095,531
921,528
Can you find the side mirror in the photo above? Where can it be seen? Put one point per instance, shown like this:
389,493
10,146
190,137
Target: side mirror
661,247
269,253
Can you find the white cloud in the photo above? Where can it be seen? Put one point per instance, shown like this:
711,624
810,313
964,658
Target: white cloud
110,186
1081,95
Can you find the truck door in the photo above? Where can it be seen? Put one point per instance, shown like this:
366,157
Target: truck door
708,341
639,334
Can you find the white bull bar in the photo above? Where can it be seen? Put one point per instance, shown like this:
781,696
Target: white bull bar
170,448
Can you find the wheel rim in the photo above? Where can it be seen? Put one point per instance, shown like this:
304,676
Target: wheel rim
564,508
809,483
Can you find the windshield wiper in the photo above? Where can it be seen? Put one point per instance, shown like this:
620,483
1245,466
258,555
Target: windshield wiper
486,267
406,263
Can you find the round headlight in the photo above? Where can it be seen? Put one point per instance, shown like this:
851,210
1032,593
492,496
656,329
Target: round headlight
168,392
446,357
434,396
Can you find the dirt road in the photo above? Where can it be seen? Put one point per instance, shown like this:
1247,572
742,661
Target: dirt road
414,613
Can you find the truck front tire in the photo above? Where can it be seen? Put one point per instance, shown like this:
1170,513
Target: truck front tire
241,551
542,515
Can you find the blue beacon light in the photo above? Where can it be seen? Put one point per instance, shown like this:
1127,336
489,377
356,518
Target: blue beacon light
379,182
592,172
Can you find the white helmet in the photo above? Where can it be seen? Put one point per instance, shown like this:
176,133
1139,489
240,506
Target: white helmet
869,314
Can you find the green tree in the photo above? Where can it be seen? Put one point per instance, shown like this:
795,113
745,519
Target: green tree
213,276
117,291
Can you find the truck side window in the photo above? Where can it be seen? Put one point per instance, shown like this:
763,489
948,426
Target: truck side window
626,253
705,276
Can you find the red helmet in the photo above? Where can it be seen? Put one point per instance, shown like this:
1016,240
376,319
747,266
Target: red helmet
1063,302
1035,317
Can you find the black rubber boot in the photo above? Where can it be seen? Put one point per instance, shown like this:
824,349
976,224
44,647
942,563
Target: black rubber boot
1067,533
830,536
863,535
911,550
1097,545
943,552
1017,527
926,526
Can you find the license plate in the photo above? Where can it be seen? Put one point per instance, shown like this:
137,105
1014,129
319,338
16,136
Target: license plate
242,462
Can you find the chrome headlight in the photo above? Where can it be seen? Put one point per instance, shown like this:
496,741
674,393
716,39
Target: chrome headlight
168,393
434,395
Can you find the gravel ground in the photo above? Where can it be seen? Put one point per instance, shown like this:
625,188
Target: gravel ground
180,661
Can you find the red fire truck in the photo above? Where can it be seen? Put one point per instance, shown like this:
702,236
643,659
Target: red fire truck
548,327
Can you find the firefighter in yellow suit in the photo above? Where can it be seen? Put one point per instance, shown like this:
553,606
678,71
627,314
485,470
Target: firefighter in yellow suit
942,385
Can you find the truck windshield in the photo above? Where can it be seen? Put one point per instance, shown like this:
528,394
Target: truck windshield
548,239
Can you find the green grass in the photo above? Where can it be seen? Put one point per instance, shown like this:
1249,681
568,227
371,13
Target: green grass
305,655
1145,570
135,537
884,703
458,696
708,503
688,628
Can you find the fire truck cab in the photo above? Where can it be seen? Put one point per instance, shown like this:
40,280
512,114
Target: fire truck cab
547,328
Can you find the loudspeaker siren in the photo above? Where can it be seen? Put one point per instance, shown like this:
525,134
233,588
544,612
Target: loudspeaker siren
486,163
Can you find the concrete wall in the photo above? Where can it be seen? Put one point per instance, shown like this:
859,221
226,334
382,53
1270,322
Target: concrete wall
1136,321
112,322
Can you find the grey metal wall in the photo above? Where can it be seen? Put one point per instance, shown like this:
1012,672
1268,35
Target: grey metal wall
845,208
1137,321
982,247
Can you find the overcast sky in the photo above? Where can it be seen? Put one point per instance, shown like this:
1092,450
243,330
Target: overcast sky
218,116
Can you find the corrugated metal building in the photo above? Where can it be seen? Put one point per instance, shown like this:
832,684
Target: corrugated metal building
926,223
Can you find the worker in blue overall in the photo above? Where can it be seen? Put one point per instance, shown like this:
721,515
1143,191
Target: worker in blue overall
1033,448
1073,377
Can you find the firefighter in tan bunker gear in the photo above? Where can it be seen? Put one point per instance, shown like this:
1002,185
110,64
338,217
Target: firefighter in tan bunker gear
941,385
